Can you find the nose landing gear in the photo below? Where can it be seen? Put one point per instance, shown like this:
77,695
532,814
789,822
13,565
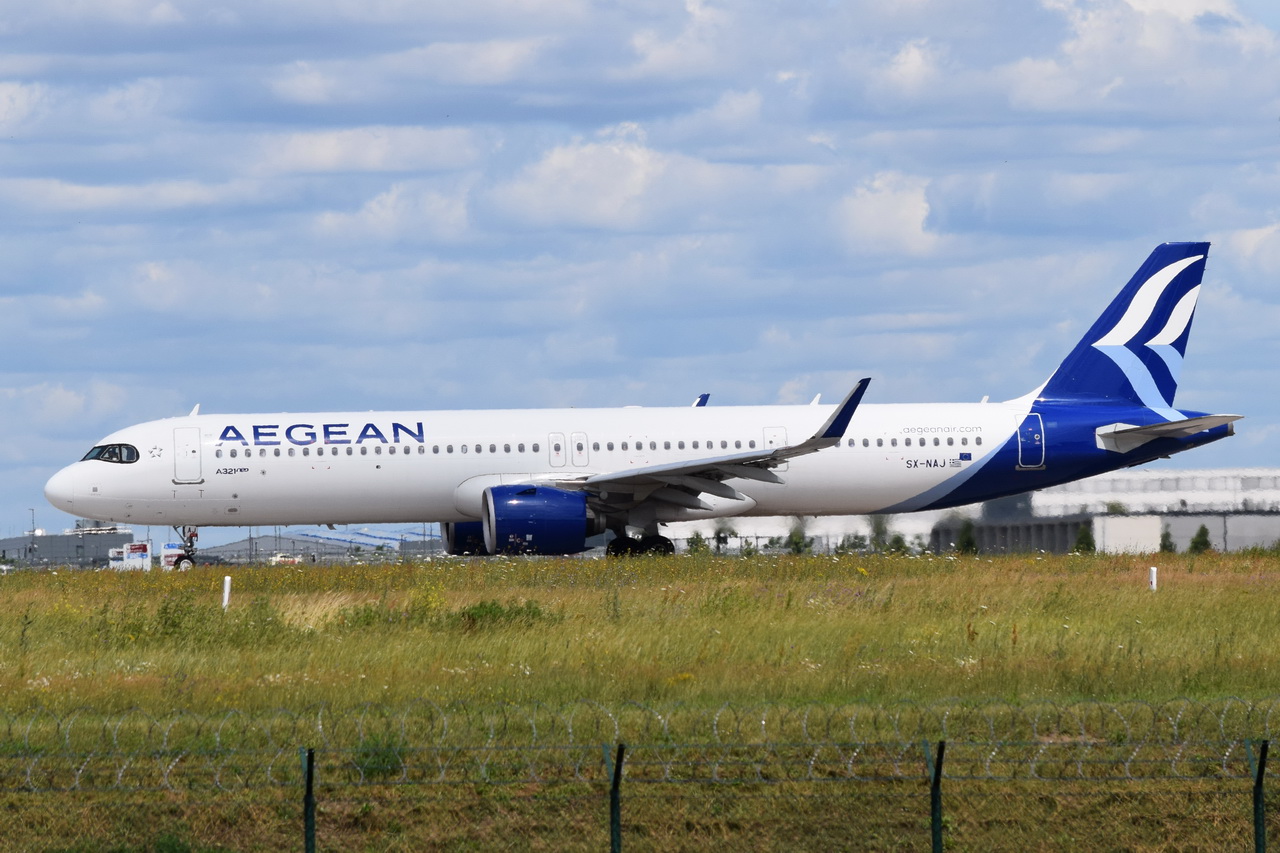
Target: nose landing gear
187,558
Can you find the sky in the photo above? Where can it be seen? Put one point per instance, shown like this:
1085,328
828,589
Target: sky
390,204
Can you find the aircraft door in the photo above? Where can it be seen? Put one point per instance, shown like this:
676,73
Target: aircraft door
578,447
186,455
555,446
775,437
1031,442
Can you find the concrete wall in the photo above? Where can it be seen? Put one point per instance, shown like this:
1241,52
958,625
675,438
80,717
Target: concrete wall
1127,534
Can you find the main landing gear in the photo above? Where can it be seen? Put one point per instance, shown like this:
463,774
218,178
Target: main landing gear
626,546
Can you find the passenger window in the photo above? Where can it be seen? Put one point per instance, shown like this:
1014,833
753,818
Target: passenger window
866,442
392,450
595,445
493,448
752,444
292,451
977,439
556,447
104,456
306,451
350,451
422,450
879,442
364,451
608,445
666,445
893,442
724,445
737,445
964,441
535,447
435,448
520,447
653,445
907,442
680,445
950,441
276,452
936,441
624,445
217,454
448,448
479,448
580,447
695,445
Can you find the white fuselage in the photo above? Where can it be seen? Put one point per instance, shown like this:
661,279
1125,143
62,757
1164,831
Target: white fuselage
390,467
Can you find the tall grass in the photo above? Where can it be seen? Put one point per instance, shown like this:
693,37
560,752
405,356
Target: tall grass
700,630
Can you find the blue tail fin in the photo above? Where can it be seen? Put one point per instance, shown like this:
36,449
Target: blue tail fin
1133,353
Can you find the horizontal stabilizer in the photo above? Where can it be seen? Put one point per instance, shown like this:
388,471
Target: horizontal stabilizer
1121,438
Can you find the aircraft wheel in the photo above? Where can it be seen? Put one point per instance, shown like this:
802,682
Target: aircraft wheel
182,564
657,545
622,546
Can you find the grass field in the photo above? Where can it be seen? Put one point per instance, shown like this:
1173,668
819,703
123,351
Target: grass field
695,630
692,635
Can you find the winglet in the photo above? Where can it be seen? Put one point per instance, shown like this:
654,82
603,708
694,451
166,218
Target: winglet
194,411
839,420
701,401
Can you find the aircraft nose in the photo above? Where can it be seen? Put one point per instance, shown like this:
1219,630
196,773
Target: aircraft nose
61,489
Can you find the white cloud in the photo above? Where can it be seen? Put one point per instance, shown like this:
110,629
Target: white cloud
695,49
133,101
52,194
407,210
485,63
912,71
304,83
18,101
888,213
369,149
1256,249
600,184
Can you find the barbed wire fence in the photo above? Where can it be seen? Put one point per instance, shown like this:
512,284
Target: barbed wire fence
1040,776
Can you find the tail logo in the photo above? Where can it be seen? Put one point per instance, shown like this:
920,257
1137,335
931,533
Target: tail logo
1168,343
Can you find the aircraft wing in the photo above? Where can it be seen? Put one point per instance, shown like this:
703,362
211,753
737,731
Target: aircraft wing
680,483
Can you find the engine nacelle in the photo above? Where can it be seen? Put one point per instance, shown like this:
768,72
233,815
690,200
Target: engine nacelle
464,537
537,520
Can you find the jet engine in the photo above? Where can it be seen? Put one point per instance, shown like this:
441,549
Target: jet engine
464,537
537,520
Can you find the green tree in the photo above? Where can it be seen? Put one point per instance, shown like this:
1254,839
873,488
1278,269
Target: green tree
1200,542
880,533
852,543
1084,539
1116,508
967,541
697,543
1166,542
722,533
797,542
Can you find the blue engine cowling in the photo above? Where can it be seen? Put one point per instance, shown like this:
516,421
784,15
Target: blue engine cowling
464,537
536,520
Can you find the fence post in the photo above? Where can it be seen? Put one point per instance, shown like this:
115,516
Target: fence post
1259,767
615,803
935,793
308,800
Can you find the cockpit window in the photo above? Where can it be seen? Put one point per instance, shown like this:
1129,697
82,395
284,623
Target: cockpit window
123,453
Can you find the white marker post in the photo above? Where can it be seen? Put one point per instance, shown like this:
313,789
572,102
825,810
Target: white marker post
1152,581
226,591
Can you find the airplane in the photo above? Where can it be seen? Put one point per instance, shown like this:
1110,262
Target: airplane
544,481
